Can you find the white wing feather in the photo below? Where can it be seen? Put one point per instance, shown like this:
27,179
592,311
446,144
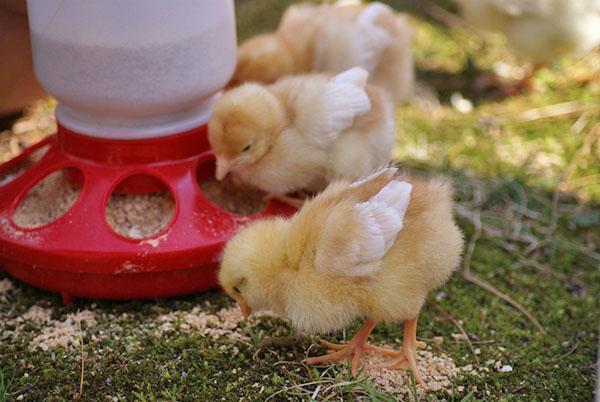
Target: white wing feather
322,114
374,39
385,170
382,218
379,220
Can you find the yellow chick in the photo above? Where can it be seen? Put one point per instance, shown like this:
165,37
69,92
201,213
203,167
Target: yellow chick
333,38
539,30
370,249
302,132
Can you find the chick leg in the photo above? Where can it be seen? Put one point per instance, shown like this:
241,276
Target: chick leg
489,81
527,82
408,356
355,348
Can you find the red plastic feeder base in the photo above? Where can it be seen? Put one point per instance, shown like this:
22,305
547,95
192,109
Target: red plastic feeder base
79,255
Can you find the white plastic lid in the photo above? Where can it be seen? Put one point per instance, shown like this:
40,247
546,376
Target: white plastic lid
131,68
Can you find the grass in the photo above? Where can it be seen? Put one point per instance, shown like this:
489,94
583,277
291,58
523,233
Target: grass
527,193
3,388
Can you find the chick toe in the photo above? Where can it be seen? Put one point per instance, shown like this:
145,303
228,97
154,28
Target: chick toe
354,349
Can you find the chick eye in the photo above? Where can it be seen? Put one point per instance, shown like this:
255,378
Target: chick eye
237,290
247,148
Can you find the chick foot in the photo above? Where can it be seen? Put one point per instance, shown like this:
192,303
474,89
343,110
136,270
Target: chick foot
491,81
392,352
407,357
354,349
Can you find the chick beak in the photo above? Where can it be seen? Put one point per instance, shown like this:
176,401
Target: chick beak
223,167
246,311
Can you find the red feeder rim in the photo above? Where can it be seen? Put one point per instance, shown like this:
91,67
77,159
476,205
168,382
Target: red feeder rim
79,254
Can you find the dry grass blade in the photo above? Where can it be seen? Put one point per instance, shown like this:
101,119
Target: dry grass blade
558,110
340,384
569,352
585,150
460,328
82,362
314,395
486,286
447,18
297,386
477,195
544,269
476,221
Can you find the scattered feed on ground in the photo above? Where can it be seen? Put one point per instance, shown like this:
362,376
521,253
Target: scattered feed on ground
527,189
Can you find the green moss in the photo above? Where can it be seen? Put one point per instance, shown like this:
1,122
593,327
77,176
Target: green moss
259,16
516,165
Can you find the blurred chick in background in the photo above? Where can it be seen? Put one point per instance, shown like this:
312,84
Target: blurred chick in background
333,38
373,248
539,30
302,132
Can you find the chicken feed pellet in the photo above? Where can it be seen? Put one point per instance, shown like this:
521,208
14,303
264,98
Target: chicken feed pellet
46,201
437,370
138,216
135,216
225,195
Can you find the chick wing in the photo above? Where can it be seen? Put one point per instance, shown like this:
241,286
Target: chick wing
323,111
355,236
345,44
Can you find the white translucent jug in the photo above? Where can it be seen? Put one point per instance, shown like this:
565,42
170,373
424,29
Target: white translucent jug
133,69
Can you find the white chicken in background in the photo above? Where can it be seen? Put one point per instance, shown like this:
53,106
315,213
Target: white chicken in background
539,30
333,38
